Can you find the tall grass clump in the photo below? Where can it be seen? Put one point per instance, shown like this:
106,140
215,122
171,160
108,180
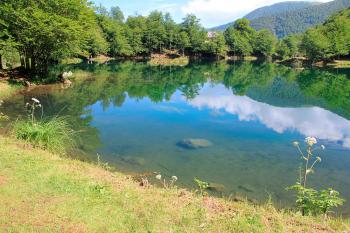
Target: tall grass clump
53,134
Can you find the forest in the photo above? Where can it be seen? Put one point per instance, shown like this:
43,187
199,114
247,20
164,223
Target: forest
41,33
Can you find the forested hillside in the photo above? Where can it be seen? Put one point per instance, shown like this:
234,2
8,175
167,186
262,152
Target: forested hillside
279,8
297,19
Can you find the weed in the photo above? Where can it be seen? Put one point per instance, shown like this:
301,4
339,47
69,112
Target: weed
202,185
311,201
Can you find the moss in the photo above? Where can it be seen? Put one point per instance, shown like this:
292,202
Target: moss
42,192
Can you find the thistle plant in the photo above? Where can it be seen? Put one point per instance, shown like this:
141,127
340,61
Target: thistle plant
32,106
311,201
164,183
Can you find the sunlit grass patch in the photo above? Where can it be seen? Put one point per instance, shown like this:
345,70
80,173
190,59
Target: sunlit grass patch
43,192
54,135
6,90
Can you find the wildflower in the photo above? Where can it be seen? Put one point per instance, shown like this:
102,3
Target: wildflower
36,100
174,178
331,192
310,141
309,171
318,159
296,143
159,177
323,147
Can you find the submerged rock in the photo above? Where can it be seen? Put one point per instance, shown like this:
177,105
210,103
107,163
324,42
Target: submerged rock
247,188
192,143
133,160
216,187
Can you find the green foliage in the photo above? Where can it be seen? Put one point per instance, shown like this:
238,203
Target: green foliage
265,43
309,200
54,135
313,202
202,185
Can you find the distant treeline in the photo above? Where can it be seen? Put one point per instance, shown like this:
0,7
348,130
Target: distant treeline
45,32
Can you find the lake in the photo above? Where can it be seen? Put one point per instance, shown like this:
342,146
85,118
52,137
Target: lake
136,116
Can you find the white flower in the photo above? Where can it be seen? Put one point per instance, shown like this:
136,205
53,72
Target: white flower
331,192
35,100
310,141
159,177
296,143
323,147
174,178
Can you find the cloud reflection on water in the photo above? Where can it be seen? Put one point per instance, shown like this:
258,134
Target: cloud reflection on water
308,121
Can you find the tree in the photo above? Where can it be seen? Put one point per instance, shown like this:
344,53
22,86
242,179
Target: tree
184,42
196,33
45,32
136,28
240,37
117,14
265,43
316,44
155,33
216,45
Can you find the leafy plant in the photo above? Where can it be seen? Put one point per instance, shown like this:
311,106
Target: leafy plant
309,200
202,185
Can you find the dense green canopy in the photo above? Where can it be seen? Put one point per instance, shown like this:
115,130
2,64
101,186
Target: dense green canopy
45,32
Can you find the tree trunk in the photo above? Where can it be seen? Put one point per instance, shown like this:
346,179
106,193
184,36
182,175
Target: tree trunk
0,62
27,62
22,60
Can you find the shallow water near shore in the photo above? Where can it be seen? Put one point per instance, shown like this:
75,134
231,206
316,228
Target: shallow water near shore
136,116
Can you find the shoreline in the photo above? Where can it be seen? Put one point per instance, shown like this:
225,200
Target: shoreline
75,189
17,76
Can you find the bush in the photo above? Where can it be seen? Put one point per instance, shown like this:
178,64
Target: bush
54,135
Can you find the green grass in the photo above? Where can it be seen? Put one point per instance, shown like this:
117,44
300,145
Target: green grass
43,192
54,135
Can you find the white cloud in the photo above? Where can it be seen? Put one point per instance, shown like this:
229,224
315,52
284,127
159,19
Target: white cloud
216,12
312,121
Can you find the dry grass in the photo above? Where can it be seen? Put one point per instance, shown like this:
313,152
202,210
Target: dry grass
340,64
42,192
5,90
166,61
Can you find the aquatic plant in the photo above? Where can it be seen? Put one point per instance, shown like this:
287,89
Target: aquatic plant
309,200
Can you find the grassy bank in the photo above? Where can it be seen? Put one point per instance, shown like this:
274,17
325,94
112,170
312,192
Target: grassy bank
166,61
42,192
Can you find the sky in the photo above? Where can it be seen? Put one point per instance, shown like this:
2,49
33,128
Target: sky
211,12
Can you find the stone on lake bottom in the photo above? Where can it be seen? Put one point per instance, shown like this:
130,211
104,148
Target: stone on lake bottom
192,143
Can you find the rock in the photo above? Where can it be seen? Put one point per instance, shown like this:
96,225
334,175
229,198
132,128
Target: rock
133,160
191,143
247,188
64,77
216,187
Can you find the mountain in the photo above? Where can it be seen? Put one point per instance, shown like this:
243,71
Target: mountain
291,17
278,8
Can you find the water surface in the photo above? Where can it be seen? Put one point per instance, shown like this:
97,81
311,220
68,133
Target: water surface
134,116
